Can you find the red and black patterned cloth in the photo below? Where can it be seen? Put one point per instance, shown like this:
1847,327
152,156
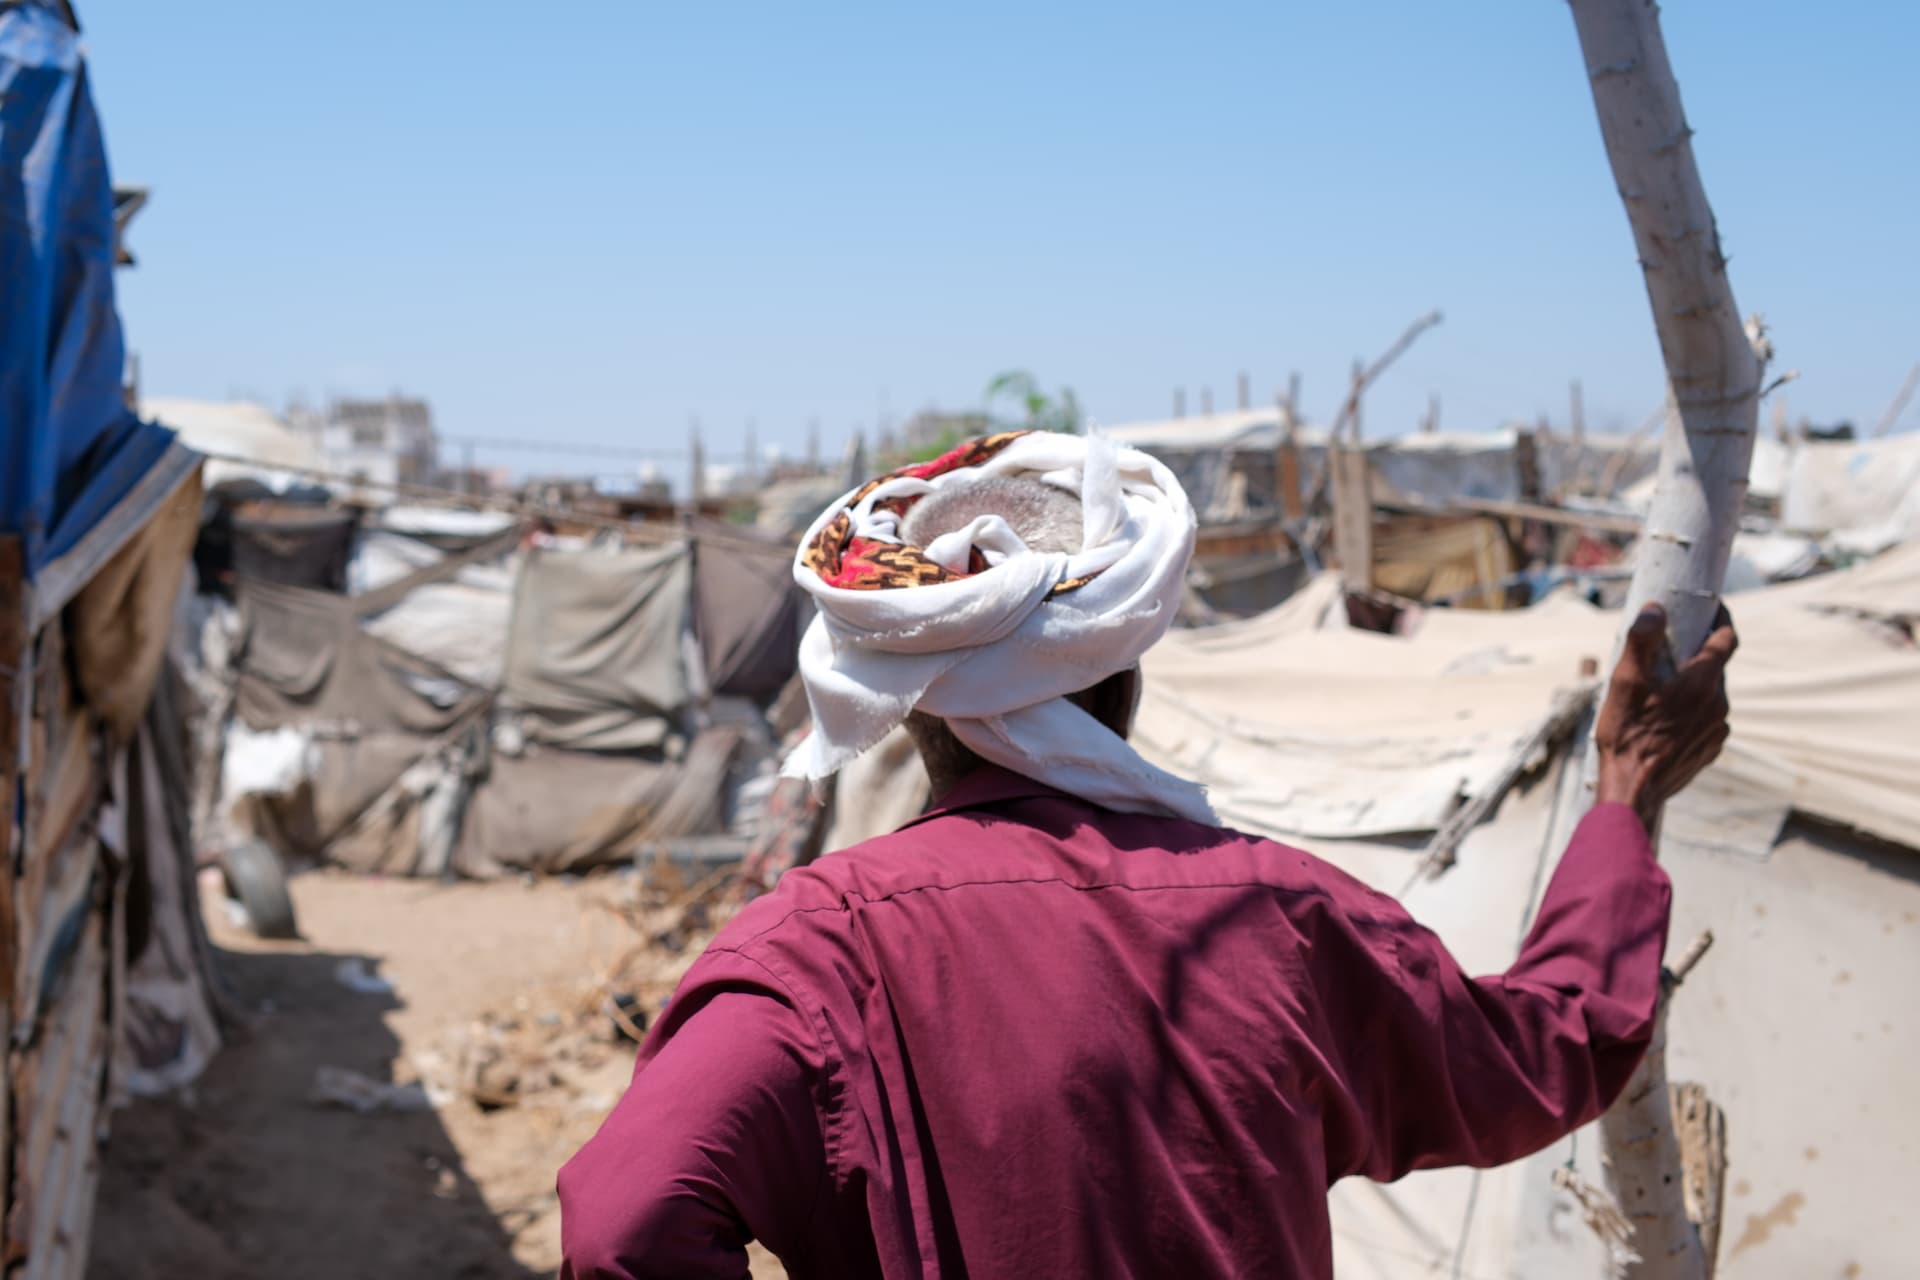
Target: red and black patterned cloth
851,562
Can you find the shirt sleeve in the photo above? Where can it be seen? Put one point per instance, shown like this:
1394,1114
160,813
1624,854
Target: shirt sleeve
715,1143
1436,1068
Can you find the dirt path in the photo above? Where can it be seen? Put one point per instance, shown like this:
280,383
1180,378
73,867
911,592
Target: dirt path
248,1178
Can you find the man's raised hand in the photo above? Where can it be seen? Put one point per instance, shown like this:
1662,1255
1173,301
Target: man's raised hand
1659,728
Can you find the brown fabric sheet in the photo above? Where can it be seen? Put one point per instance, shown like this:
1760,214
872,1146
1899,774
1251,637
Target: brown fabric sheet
293,546
749,613
594,661
305,660
556,812
120,621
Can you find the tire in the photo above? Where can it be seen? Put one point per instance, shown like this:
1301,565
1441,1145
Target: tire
259,879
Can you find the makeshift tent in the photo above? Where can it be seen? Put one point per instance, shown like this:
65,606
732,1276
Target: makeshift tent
1429,468
437,721
1299,730
97,514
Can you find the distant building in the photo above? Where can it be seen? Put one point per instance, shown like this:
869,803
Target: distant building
379,444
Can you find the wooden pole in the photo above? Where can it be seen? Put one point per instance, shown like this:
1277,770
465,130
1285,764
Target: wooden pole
1357,383
1576,413
1899,405
1244,399
1352,515
1364,376
697,478
1286,464
1714,365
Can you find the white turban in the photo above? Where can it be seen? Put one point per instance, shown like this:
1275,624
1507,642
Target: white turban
989,635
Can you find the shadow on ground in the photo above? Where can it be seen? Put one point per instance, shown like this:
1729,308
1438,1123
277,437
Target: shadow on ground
248,1178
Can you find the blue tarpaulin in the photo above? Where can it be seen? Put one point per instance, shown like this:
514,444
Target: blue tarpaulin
71,452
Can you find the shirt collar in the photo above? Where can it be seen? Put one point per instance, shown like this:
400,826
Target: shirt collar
989,784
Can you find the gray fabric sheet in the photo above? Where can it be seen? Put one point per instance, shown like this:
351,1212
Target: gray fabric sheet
749,613
594,660
557,812
305,660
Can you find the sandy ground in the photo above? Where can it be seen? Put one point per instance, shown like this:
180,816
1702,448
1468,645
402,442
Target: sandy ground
246,1177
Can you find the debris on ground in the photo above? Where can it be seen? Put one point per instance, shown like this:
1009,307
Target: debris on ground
523,1054
357,1091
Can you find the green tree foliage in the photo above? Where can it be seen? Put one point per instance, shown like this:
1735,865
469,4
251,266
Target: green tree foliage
1032,408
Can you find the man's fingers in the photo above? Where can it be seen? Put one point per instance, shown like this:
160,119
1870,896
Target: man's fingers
1719,645
1640,658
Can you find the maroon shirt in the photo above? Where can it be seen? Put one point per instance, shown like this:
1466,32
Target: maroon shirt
1024,1036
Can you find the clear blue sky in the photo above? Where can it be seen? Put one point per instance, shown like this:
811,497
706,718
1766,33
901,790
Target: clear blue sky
588,222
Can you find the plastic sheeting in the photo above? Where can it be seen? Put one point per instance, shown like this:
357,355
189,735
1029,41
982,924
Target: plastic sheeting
594,659
70,451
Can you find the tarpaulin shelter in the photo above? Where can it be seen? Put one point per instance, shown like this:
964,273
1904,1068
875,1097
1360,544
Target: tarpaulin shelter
105,986
516,704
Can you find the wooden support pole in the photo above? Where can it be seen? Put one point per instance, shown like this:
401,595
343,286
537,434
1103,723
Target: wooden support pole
1352,515
1568,706
1286,467
1244,398
1899,405
1714,367
697,477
